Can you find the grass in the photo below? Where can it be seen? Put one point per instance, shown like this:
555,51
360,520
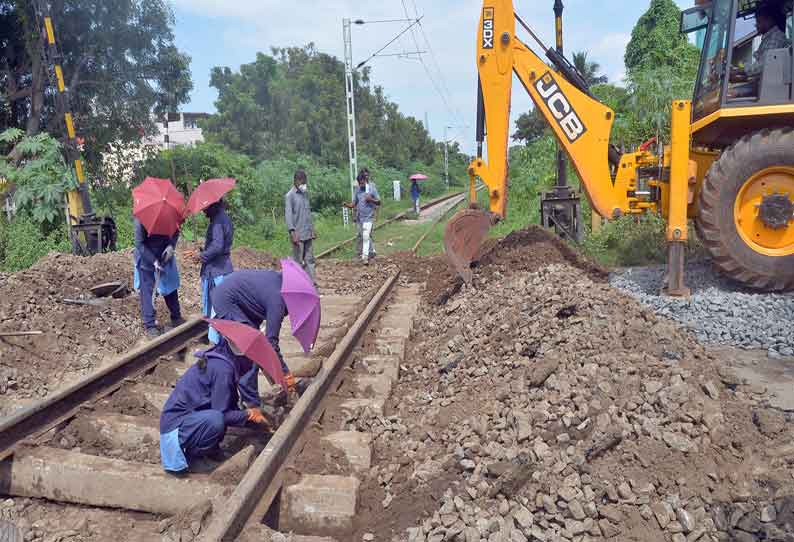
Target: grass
272,236
395,237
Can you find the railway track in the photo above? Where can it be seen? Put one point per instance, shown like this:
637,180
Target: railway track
400,216
46,454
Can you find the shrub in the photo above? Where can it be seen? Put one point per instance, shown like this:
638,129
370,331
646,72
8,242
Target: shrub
629,240
25,243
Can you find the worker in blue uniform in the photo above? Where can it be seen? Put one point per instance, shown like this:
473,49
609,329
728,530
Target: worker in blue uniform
203,404
251,297
155,268
215,258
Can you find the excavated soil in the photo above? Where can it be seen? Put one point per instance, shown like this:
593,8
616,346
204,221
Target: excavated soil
529,249
542,404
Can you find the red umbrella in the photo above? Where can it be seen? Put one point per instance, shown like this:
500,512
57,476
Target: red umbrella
253,344
158,205
208,193
419,177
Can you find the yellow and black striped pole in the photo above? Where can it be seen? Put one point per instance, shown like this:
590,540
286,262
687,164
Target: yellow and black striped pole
79,202
562,169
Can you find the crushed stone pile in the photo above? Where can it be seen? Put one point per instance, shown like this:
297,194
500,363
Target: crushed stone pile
719,311
547,406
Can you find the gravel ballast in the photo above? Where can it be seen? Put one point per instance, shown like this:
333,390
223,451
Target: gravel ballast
718,311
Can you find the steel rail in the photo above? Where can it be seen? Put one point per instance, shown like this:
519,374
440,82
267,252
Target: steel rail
260,479
432,227
439,219
62,405
398,216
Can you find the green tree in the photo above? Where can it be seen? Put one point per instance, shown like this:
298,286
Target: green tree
119,63
588,69
39,175
650,97
293,101
530,126
656,41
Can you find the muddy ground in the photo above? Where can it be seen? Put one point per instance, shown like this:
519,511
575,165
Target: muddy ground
537,404
78,338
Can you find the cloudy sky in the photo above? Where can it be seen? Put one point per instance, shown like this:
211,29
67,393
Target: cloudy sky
230,33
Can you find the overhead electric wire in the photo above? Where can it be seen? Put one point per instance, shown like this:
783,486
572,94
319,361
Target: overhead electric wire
430,76
436,63
395,38
437,80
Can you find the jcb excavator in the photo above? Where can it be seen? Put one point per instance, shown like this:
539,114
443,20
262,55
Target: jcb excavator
729,165
88,233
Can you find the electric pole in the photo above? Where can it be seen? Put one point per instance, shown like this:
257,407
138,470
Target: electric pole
351,105
446,157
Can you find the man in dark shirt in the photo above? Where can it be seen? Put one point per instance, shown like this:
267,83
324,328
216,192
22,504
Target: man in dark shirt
252,297
216,258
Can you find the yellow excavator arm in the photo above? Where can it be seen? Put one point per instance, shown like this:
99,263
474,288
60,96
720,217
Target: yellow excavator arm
581,123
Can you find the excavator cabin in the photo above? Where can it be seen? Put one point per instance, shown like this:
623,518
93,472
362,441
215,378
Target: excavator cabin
746,62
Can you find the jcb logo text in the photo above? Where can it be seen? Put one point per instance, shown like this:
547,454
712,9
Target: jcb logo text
487,28
570,123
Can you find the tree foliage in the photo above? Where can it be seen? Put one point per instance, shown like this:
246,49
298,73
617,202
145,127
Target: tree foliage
656,42
40,175
119,62
293,101
530,126
588,69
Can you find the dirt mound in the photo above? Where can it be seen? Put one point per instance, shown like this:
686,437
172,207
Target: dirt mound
533,248
248,258
548,406
529,249
80,333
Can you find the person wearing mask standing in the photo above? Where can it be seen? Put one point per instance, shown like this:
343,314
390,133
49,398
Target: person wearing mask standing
298,216
366,201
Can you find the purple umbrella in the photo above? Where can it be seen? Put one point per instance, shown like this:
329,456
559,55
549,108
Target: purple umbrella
303,303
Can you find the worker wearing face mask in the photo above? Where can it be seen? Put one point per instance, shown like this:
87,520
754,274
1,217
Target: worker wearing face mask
298,216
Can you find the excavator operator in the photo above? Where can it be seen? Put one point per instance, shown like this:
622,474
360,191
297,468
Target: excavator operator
770,21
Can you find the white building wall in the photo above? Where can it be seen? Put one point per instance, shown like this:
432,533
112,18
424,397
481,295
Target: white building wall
182,131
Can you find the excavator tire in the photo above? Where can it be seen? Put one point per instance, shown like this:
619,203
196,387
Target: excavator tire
754,249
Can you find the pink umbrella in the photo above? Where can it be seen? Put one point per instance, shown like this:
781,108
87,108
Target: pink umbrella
254,345
419,177
303,303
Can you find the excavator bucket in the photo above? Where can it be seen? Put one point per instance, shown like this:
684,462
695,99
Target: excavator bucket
463,238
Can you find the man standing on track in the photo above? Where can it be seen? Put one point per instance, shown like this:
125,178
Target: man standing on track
365,202
215,258
415,193
298,215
